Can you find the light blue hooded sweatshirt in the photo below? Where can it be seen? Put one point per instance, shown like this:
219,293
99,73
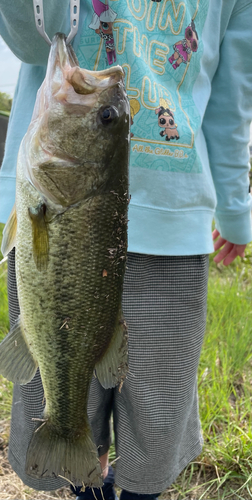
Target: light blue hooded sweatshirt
188,74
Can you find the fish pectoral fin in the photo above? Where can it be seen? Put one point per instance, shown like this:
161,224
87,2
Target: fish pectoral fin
113,366
40,238
17,362
9,233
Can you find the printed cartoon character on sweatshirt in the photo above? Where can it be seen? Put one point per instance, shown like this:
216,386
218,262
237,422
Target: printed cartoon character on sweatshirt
166,121
184,48
102,23
134,109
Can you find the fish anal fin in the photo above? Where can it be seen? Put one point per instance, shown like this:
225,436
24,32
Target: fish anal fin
40,238
17,362
75,458
9,233
113,366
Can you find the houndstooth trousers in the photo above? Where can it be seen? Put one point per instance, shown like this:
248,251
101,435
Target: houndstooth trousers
156,421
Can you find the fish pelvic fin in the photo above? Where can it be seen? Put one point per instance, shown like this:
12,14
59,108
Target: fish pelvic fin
17,362
40,238
9,233
52,455
113,366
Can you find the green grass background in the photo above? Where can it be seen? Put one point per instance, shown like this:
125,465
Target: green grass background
224,469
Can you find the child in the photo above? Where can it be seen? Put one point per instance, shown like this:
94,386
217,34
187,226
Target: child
177,188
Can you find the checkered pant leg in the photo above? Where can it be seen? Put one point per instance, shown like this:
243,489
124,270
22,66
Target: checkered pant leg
156,421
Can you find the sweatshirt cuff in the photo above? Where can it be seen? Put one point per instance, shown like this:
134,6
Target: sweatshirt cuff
235,228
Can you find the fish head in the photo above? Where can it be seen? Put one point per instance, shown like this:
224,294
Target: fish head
78,139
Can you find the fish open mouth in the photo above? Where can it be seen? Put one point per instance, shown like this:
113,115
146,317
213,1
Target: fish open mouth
66,78
87,82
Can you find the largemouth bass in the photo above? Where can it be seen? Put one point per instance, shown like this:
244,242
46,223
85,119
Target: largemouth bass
69,229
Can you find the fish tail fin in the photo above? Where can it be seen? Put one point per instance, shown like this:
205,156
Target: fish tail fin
74,459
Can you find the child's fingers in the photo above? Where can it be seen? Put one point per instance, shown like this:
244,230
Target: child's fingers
231,256
219,243
215,234
224,252
240,249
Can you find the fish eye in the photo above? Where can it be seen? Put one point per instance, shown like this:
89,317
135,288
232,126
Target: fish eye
108,114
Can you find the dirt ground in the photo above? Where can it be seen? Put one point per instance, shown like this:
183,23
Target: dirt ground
12,488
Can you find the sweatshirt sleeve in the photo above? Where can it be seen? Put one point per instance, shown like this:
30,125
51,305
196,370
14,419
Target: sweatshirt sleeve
18,29
226,127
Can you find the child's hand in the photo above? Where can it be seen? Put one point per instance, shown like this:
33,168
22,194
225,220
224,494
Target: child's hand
229,251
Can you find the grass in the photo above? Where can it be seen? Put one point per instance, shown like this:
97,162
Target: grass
224,469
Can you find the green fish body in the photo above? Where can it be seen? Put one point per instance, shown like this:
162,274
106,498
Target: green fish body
69,228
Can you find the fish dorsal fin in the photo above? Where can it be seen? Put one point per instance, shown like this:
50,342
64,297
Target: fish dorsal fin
17,362
112,368
40,239
9,233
